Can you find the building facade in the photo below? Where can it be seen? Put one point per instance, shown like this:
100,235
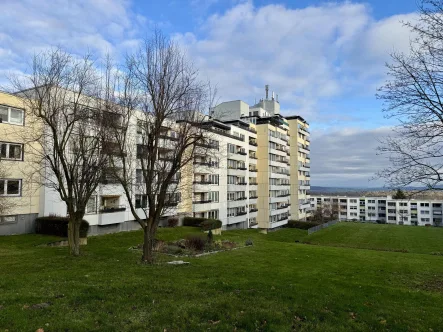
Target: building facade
19,189
252,171
382,209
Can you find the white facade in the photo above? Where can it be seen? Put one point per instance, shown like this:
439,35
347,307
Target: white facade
384,209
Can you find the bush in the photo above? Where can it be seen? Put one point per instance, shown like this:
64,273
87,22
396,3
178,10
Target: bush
58,226
381,221
195,242
172,222
249,242
192,221
301,224
209,224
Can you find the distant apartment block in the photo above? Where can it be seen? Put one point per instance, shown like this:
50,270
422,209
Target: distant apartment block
384,209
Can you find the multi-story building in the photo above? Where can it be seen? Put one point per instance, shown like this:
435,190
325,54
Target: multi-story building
252,171
383,209
19,189
283,162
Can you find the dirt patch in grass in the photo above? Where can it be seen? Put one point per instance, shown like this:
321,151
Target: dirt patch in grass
433,285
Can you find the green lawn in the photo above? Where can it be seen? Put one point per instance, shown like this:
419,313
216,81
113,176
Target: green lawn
276,285
412,239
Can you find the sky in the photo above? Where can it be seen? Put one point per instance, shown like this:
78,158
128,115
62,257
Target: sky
325,59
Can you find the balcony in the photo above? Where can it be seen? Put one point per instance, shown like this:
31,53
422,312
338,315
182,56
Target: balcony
236,219
253,143
112,215
253,170
202,201
253,210
201,182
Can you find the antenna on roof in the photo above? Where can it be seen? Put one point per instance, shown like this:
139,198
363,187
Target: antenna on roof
267,91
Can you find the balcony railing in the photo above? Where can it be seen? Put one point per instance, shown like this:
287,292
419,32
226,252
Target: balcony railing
241,214
202,201
253,197
112,209
253,210
202,182
253,143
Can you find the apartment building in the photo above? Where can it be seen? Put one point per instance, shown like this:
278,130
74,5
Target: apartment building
252,171
283,160
384,209
19,189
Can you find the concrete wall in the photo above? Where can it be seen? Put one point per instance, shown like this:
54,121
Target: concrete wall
24,225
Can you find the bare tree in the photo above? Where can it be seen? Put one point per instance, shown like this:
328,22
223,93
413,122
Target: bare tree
162,103
70,126
413,95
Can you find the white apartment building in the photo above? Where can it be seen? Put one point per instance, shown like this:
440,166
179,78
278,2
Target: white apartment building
252,172
385,209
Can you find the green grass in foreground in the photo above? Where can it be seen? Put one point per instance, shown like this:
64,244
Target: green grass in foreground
276,285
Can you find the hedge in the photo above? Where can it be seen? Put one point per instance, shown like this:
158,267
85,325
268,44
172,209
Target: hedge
210,224
192,221
301,224
58,226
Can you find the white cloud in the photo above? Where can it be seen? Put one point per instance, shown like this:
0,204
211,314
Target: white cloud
347,157
306,55
97,26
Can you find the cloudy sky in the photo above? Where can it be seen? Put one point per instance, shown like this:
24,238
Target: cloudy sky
324,59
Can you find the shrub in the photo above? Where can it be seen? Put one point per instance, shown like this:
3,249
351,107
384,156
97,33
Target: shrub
172,222
192,221
249,242
301,224
58,226
209,224
381,221
195,242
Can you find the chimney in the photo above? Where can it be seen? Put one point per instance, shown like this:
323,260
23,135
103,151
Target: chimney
267,90
273,95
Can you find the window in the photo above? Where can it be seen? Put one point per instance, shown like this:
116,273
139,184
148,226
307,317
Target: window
403,204
425,219
91,206
11,115
138,176
10,187
424,204
371,201
231,212
213,214
392,218
213,196
213,178
231,148
11,151
231,196
141,201
8,219
424,212
353,201
353,207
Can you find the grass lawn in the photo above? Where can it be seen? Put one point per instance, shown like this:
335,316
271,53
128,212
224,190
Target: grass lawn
275,285
412,239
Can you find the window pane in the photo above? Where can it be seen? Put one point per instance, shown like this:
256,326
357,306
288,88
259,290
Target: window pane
3,150
16,116
15,151
4,113
91,206
8,219
2,187
13,187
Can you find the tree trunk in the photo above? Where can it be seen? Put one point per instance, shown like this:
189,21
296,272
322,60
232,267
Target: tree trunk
148,243
74,237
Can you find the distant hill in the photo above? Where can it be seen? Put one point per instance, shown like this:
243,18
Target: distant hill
320,189
412,192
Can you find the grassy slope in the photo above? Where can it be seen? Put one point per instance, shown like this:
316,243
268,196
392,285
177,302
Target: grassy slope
373,236
276,285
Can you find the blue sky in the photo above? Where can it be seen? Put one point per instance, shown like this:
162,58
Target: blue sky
325,59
